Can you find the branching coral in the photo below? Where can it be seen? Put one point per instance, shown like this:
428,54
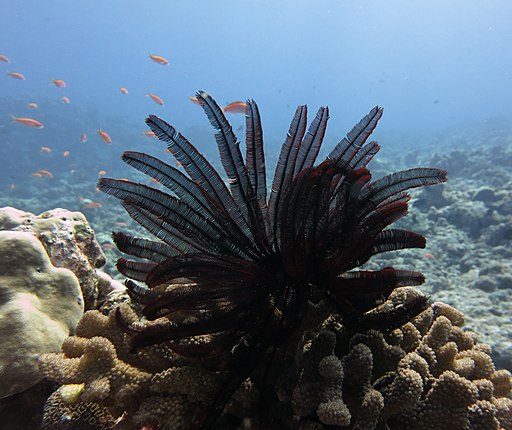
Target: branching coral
403,379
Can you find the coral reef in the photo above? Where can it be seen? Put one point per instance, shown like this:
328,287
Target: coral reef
429,374
40,306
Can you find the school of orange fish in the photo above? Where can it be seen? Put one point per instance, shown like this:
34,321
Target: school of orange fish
236,107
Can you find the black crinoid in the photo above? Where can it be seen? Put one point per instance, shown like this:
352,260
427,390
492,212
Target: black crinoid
238,268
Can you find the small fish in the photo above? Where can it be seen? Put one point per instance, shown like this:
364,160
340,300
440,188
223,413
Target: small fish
107,246
159,59
65,100
58,83
428,256
105,137
36,175
4,59
150,134
45,149
167,151
124,90
194,100
93,205
235,107
83,138
121,224
65,154
28,122
156,181
12,186
17,75
32,106
156,99
46,173
102,173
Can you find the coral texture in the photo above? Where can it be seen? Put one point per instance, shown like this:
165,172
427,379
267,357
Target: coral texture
428,374
40,306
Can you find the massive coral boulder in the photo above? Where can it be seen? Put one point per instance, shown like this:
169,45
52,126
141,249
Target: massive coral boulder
40,306
68,240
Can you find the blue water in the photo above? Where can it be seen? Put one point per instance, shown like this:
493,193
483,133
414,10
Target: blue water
434,66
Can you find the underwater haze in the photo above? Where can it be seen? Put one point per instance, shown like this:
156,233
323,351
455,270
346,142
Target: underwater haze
431,65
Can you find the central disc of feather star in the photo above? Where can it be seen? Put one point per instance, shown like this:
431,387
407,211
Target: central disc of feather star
236,266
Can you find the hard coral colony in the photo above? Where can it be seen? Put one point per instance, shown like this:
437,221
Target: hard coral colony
238,269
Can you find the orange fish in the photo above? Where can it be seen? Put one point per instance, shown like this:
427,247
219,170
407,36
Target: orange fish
65,100
58,83
235,107
32,106
159,59
124,90
107,246
428,256
45,149
156,181
66,153
29,122
93,205
4,58
105,137
102,173
17,75
36,175
167,151
149,134
194,100
46,173
83,138
156,99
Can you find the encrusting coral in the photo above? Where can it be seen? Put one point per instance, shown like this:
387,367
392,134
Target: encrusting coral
428,374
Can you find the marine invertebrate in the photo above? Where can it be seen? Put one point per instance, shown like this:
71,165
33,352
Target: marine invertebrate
239,268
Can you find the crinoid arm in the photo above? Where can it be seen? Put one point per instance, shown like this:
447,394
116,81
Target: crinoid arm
235,265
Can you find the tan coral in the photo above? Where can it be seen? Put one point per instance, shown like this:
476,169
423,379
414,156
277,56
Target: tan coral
39,306
428,374
69,242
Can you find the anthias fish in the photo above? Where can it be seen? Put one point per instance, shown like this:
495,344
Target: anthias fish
159,59
156,99
28,122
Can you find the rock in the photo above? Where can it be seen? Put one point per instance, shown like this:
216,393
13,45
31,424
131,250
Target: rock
485,283
40,306
485,194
